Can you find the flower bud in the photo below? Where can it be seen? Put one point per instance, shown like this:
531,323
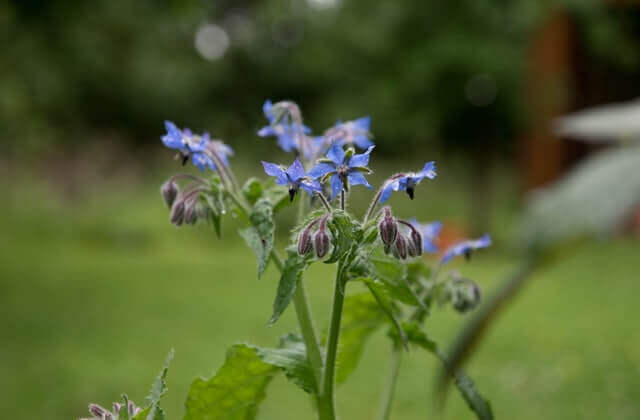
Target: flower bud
116,408
304,241
177,213
400,247
97,411
169,191
190,213
321,242
388,228
416,240
411,248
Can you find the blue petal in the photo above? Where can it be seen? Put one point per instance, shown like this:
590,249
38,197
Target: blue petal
266,108
310,186
363,123
429,246
202,161
361,159
357,178
296,170
286,142
429,170
482,242
362,142
272,169
336,154
267,131
431,230
386,192
336,186
321,169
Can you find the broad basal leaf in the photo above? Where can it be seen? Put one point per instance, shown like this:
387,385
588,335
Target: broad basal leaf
291,357
289,278
235,391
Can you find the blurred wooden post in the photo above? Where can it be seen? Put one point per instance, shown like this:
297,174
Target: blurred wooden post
547,97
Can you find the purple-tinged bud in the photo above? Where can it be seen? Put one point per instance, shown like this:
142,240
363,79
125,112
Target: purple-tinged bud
305,243
321,238
416,240
400,247
169,192
98,411
132,409
411,248
190,212
388,228
116,408
177,213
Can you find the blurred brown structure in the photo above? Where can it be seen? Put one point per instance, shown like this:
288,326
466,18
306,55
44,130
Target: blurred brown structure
563,77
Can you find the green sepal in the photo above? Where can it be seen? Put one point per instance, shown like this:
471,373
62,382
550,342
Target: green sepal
362,169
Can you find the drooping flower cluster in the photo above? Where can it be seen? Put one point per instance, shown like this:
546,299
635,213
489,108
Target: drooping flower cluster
202,151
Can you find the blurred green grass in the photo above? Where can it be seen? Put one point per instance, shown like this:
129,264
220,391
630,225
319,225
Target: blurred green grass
94,292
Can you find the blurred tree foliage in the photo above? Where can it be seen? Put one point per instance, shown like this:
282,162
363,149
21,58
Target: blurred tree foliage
431,74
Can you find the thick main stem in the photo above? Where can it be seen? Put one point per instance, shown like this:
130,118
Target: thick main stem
388,391
328,379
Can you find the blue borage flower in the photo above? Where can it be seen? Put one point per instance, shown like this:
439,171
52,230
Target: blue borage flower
465,248
407,182
195,147
288,134
294,177
344,168
351,132
430,232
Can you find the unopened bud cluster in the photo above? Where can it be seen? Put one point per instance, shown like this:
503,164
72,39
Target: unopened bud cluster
183,205
397,242
463,293
318,241
100,413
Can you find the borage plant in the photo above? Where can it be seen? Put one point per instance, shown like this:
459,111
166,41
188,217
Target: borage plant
380,252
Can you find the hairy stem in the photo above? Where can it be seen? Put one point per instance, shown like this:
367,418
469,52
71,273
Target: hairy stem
328,379
342,199
388,391
324,201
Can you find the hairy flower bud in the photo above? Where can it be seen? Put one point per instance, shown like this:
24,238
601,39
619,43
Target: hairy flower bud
400,247
98,411
388,229
411,248
169,191
416,240
190,212
177,213
321,238
304,242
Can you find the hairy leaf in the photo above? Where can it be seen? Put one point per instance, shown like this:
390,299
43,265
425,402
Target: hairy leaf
260,235
291,275
291,357
395,282
464,384
345,232
153,411
361,316
236,389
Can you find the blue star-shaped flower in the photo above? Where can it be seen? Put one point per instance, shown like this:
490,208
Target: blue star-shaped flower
288,134
430,232
294,177
188,145
344,169
351,132
407,182
465,248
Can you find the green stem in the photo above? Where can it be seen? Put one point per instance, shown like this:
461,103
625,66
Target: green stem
301,305
390,384
328,380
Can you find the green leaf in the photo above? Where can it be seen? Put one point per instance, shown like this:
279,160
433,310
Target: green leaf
236,389
260,235
291,275
387,306
159,387
252,190
291,357
464,384
361,316
395,281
